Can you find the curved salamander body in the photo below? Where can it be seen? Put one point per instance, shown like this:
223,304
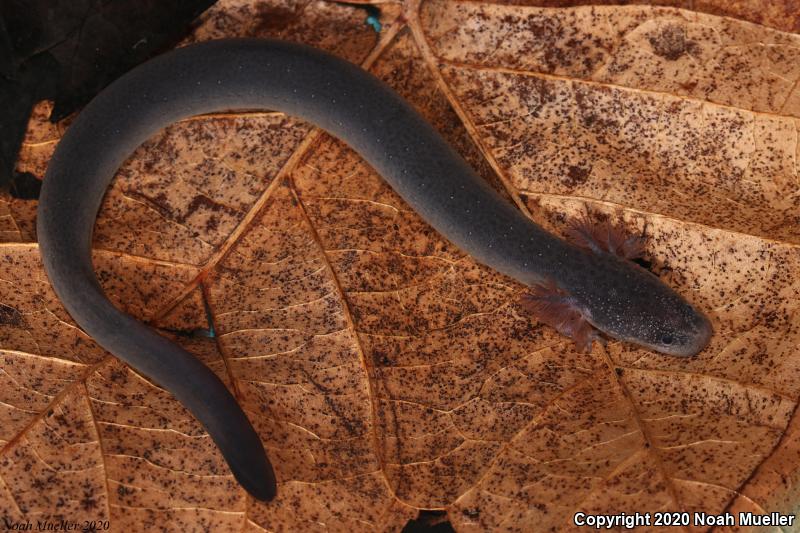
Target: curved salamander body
585,287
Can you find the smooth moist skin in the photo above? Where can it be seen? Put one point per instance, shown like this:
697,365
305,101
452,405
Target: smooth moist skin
614,295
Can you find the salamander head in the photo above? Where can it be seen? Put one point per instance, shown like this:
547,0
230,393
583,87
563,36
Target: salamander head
622,300
638,307
595,285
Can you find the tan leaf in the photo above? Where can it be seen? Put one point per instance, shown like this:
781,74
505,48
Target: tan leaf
384,369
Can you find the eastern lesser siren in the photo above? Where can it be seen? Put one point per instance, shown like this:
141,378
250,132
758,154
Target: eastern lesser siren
612,294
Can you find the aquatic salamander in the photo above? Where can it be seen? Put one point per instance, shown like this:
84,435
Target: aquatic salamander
578,288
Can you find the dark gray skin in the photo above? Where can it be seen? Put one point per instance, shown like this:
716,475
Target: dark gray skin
629,303
616,296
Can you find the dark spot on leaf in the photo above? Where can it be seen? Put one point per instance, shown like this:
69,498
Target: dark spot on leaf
9,316
576,176
671,42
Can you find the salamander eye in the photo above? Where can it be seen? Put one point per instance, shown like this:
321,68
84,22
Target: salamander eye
666,340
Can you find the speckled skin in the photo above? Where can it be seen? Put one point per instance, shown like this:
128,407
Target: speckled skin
614,295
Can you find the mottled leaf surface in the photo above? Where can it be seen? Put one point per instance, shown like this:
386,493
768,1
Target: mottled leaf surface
385,370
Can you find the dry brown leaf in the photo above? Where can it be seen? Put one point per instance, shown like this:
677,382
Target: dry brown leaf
386,371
